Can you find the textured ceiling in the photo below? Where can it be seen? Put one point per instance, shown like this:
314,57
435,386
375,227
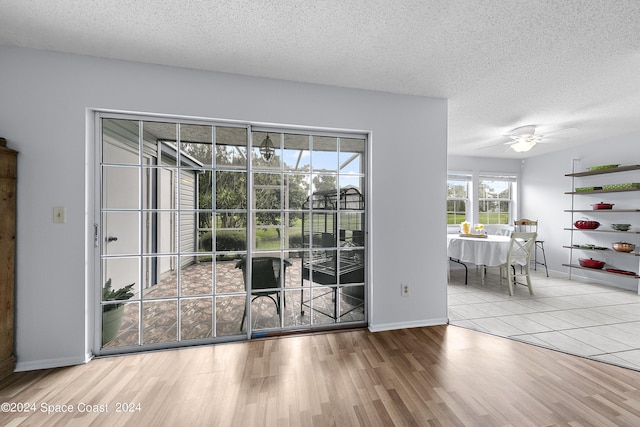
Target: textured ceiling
502,64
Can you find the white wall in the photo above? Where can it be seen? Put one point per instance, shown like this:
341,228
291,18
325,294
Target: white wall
543,198
44,116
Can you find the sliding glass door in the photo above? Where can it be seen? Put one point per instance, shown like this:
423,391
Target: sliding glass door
308,209
209,232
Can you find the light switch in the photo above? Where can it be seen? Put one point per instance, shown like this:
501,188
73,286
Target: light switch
59,215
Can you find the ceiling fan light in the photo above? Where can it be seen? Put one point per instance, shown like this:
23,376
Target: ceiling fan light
524,144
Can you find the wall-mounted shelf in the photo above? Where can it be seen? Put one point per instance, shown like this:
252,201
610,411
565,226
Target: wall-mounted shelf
601,210
601,231
603,250
635,276
620,190
604,171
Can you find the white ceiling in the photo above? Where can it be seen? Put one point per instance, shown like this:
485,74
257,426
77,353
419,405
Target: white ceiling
502,64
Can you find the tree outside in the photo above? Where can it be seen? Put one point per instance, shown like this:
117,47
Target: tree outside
230,194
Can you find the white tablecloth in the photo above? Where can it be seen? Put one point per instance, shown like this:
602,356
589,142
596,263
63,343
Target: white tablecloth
490,251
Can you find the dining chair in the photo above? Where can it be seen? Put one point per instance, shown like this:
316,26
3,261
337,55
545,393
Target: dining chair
267,279
530,226
519,254
498,229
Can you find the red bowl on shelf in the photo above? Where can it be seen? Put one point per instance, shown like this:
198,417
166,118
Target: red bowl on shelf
625,272
587,225
602,205
591,263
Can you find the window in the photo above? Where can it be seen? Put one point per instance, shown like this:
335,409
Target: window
496,194
458,198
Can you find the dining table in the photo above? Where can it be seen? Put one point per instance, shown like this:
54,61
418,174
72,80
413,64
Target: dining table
488,251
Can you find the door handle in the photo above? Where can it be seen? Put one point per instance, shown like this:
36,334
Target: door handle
111,239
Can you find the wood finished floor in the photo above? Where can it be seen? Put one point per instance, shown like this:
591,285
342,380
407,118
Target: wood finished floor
430,376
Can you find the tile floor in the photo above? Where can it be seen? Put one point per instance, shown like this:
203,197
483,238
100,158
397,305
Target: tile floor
162,315
589,320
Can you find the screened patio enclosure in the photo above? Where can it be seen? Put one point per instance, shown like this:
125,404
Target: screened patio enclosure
186,209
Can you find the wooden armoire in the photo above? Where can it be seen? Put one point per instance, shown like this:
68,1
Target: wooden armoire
8,168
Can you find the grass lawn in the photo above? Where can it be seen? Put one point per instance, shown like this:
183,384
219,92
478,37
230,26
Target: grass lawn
485,218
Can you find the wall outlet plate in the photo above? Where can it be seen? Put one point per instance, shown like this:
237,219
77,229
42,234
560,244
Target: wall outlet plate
404,289
59,215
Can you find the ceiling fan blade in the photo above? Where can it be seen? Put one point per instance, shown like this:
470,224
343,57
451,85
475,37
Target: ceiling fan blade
522,131
500,147
551,140
551,132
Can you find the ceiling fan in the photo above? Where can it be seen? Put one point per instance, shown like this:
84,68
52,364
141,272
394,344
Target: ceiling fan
524,138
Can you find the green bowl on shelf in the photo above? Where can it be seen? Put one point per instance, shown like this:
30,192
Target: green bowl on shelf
621,227
627,186
581,189
601,167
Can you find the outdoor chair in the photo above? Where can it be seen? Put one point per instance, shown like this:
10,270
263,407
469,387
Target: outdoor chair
267,280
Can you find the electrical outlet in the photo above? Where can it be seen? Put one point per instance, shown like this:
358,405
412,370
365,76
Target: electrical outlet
404,289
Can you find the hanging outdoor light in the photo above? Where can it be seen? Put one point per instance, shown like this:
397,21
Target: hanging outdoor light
267,149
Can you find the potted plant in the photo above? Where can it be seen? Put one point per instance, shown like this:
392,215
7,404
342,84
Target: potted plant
112,313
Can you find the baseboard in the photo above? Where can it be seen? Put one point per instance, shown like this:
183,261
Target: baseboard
49,363
404,325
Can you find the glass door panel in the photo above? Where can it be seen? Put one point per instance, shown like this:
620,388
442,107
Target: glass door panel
296,155
267,191
267,151
196,275
229,315
159,321
166,225
159,141
231,190
114,178
231,147
324,156
196,145
121,326
121,142
196,318
163,277
120,279
231,232
352,156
